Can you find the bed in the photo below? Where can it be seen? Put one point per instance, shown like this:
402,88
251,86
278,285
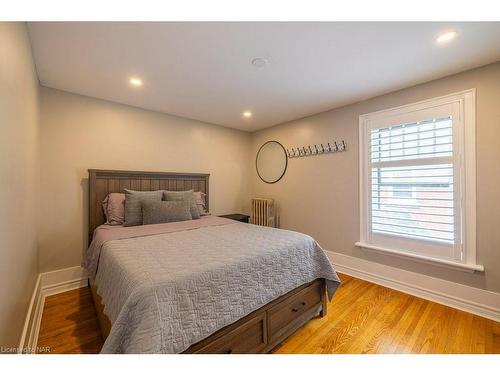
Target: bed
210,285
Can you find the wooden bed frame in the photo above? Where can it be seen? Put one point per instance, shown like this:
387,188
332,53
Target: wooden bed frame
258,332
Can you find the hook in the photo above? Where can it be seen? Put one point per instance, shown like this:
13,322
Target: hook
316,149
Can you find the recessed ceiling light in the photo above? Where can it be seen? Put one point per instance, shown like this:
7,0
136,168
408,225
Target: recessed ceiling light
247,114
136,82
259,62
446,37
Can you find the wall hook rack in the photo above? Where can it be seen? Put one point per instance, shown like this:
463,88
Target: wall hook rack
317,149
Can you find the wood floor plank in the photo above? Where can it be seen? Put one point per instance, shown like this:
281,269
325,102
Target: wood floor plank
399,324
355,325
362,318
69,323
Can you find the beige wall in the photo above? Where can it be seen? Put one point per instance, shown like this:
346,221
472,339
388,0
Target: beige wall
79,133
319,195
19,181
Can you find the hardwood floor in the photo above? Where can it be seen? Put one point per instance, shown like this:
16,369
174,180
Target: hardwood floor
362,318
69,323
368,318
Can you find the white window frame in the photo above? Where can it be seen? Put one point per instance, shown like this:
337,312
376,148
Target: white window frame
464,151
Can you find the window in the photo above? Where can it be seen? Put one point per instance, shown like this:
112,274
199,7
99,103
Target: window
417,176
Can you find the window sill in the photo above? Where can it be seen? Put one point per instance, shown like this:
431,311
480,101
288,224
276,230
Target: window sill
424,259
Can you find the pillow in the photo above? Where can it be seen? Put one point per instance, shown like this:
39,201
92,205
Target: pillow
183,196
201,203
114,208
133,210
154,212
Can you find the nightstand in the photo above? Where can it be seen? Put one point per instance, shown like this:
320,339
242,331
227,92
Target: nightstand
237,217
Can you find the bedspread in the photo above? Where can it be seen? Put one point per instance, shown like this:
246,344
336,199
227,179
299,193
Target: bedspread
167,291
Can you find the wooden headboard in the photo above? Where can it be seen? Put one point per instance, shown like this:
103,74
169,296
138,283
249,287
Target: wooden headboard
103,182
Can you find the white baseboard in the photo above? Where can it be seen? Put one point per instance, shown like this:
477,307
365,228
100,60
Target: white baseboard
473,300
47,284
63,280
33,318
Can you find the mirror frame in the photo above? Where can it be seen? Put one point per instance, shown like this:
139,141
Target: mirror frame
286,162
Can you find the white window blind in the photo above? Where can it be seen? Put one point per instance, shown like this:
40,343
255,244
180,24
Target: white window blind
412,180
417,180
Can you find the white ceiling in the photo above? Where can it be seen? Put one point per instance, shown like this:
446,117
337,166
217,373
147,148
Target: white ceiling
203,71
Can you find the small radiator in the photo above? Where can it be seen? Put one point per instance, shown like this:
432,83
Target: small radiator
264,212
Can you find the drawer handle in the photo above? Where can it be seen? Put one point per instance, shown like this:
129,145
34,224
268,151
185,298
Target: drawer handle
228,351
297,309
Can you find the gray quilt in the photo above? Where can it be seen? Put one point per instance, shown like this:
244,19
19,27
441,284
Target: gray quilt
165,292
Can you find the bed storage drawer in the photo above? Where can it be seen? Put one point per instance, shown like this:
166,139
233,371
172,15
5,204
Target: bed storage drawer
294,311
249,337
262,330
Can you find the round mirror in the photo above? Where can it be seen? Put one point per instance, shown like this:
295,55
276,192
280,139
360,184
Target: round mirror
271,162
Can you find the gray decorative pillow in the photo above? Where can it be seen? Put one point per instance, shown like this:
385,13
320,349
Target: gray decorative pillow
186,195
154,212
133,209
